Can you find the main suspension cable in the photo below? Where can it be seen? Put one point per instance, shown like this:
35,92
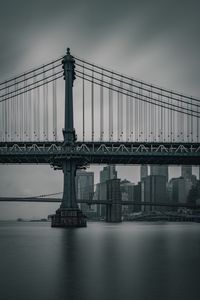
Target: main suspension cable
136,95
135,80
144,89
124,92
31,71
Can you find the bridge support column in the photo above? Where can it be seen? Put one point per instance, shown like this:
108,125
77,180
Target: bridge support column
69,215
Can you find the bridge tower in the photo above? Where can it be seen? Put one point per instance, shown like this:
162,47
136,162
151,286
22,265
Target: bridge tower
69,215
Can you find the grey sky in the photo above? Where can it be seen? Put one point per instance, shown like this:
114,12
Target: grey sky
157,41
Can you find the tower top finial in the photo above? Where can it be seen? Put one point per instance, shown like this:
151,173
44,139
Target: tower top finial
68,51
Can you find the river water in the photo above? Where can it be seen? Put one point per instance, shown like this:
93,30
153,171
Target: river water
137,261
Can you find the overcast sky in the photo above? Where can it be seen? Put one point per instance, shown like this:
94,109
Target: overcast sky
157,41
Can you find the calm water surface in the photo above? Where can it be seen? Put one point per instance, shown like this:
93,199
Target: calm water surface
103,261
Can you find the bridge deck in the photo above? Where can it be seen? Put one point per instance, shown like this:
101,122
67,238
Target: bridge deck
100,153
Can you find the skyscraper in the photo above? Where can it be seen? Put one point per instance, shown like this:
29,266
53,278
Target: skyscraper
179,189
153,189
108,172
186,172
84,186
143,172
159,170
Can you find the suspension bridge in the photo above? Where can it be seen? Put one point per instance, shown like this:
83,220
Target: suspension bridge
108,118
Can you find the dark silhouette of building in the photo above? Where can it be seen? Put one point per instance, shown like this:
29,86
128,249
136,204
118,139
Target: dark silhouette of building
143,171
114,210
153,189
186,172
161,170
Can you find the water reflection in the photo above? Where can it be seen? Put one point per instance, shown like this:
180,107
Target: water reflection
126,261
129,261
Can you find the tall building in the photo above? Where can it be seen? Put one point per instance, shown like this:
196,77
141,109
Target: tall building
143,172
84,187
153,189
186,172
108,172
114,211
179,189
127,191
137,196
161,170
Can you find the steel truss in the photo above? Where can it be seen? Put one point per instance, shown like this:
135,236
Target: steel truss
100,153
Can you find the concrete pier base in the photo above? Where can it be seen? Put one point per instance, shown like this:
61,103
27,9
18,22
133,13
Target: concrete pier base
68,217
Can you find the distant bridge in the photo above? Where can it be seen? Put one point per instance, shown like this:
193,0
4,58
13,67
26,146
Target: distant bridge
93,202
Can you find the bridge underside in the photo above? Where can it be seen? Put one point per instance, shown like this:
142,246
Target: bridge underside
84,153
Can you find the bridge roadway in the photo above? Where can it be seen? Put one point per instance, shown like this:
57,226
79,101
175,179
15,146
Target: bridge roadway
93,202
100,153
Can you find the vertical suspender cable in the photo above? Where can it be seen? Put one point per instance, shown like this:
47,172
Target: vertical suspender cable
197,120
16,112
121,110
140,131
83,82
21,99
192,128
188,125
118,116
101,109
170,122
92,106
127,117
131,114
145,120
151,117
178,124
38,112
47,112
161,118
9,118
34,111
20,116
54,109
25,109
44,106
136,119
12,116
3,120
6,118
181,123
30,115
111,111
